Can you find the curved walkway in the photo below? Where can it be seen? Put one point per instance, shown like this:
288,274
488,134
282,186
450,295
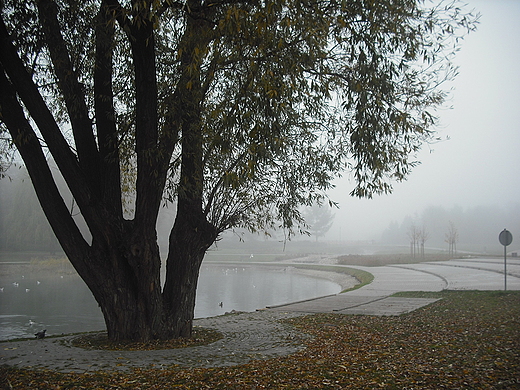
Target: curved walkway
260,335
374,299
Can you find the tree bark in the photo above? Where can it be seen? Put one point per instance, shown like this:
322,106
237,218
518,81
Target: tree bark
192,234
121,265
189,241
129,290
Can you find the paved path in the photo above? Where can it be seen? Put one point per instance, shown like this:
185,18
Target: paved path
374,299
260,335
248,336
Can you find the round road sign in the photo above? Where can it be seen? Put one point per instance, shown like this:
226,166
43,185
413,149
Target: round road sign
505,237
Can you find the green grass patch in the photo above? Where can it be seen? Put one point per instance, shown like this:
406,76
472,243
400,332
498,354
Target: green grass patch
468,300
378,260
361,276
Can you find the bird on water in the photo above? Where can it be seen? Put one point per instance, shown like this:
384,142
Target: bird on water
41,334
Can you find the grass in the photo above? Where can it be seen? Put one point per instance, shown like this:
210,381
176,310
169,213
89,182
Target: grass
361,276
38,265
466,340
390,258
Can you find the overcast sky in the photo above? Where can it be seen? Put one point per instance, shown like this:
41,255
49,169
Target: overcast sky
480,164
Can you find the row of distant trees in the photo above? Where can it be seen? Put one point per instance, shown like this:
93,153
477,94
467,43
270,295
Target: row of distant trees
419,236
454,229
23,226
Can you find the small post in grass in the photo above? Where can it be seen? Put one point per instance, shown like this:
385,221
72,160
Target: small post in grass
505,237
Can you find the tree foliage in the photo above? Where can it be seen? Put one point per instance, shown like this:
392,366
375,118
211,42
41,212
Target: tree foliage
320,219
239,111
292,92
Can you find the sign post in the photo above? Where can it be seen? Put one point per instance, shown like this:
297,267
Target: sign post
505,237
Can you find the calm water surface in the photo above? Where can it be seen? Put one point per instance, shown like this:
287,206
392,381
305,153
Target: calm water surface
63,303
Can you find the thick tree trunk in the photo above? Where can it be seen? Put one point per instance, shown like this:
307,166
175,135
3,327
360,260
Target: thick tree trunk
122,264
126,280
130,312
192,234
189,240
124,277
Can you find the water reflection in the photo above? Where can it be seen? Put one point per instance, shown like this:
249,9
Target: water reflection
63,303
250,288
58,303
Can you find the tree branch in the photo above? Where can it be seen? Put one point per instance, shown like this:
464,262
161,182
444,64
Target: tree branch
220,181
54,207
104,109
142,42
72,92
33,101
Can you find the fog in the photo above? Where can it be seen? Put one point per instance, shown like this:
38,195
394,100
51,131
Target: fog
477,163
469,178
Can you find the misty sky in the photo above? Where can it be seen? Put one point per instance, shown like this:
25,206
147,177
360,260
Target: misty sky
480,164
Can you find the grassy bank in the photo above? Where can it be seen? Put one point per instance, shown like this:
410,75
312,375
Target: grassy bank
40,265
467,340
362,277
391,258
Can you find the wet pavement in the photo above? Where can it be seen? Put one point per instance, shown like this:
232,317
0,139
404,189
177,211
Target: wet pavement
260,334
247,336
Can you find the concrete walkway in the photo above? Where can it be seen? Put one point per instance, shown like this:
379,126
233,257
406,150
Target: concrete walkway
374,299
260,335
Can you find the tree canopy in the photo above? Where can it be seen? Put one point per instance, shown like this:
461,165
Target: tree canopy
319,219
240,112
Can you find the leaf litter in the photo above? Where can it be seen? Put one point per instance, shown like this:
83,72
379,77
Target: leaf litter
467,340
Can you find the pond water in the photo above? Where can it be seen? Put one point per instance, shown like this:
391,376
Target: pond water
63,303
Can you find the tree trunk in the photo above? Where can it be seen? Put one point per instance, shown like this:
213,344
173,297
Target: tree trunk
130,312
189,240
124,277
121,266
192,234
126,281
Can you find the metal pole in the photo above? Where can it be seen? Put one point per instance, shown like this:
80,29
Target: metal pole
505,269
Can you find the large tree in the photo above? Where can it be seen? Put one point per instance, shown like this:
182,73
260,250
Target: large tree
239,112
319,218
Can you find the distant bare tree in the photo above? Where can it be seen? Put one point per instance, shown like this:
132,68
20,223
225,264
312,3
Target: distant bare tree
423,236
452,237
414,234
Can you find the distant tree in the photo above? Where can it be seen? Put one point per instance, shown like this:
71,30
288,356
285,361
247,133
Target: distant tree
238,111
392,234
422,237
414,235
452,237
320,219
23,226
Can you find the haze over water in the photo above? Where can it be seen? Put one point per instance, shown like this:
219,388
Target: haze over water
63,303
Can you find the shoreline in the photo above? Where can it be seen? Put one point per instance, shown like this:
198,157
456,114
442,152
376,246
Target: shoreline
63,266
302,266
13,272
